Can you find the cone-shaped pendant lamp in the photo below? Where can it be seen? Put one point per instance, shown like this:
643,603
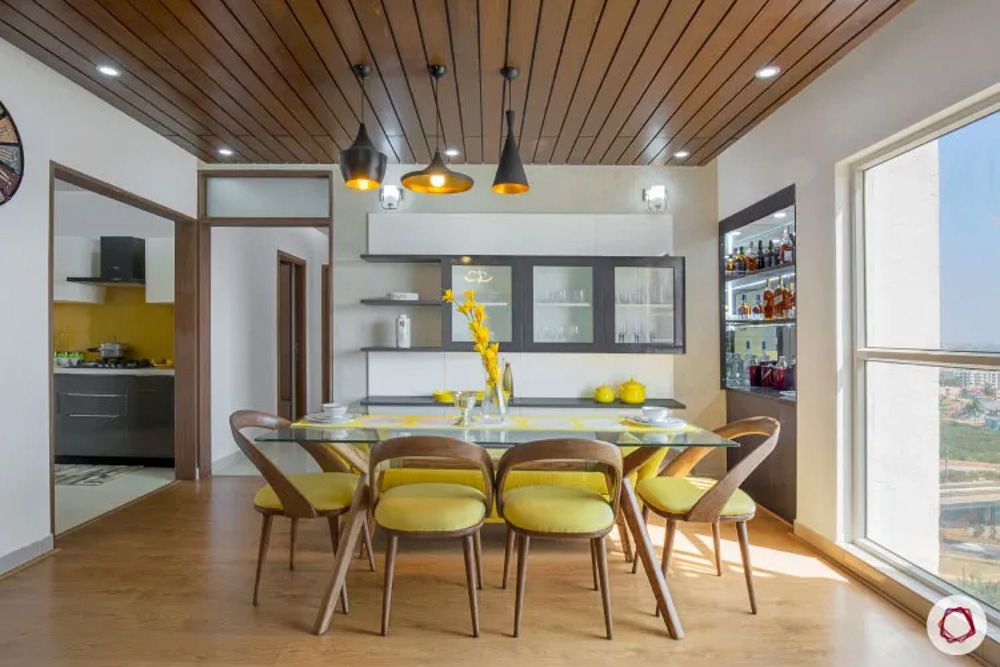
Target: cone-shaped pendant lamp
436,178
361,164
510,178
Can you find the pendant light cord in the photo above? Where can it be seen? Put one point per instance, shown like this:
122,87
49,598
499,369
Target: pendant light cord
438,126
507,97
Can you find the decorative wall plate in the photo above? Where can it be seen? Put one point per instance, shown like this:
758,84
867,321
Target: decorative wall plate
11,156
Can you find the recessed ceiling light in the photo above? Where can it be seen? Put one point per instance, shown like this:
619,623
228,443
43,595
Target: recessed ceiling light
767,72
680,155
108,70
780,215
225,151
452,152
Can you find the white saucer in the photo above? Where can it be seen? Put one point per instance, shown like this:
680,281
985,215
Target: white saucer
323,418
669,422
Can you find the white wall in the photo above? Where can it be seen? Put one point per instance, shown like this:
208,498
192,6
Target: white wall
244,321
58,121
932,55
90,215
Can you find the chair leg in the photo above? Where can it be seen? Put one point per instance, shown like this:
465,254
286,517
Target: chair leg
602,566
472,579
625,538
741,531
522,571
366,535
593,565
392,542
291,544
645,521
717,539
508,548
668,545
334,523
265,538
477,540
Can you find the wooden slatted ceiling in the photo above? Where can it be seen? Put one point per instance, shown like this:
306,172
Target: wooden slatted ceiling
601,81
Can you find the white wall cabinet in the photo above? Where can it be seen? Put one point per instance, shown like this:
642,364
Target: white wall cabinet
74,256
159,270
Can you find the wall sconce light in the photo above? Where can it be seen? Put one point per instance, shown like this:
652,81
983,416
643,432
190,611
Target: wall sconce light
390,197
655,197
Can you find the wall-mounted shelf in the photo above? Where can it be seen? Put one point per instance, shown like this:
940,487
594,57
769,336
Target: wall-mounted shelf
402,259
388,348
761,323
401,302
763,273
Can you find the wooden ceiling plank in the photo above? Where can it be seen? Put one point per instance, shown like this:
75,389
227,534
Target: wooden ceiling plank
552,29
159,74
402,148
208,35
851,32
524,26
266,47
662,42
35,23
432,17
360,48
696,33
579,35
732,26
463,30
543,149
642,27
34,44
378,107
605,45
492,43
416,52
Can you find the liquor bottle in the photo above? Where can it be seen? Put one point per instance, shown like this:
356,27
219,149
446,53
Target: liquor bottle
751,260
778,311
758,310
787,247
744,309
752,367
763,352
768,301
772,255
730,263
761,263
738,261
790,300
507,383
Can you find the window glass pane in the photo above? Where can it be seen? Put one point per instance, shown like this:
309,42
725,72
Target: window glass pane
932,231
265,197
933,473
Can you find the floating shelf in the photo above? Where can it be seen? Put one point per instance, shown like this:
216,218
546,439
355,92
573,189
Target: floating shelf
402,259
400,302
387,348
761,323
763,273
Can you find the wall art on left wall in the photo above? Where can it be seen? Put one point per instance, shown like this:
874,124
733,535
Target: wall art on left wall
11,156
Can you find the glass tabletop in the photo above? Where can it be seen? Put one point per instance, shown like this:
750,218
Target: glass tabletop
517,430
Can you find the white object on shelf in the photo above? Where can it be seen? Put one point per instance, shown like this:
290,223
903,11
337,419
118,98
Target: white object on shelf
403,296
73,257
403,330
159,270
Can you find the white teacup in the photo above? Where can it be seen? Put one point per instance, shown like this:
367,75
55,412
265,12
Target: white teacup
334,410
655,413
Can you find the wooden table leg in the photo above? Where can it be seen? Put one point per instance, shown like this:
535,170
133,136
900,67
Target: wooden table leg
350,532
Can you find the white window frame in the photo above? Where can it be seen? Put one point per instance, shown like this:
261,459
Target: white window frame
861,353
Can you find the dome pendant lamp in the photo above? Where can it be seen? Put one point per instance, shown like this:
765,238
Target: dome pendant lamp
510,178
436,178
362,165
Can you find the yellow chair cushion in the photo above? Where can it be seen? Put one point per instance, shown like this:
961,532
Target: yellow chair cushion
677,495
326,491
430,508
557,509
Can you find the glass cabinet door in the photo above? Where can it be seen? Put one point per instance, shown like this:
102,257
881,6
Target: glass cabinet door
644,307
494,288
562,306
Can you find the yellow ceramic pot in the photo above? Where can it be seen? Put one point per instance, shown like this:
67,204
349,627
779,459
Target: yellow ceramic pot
604,394
632,392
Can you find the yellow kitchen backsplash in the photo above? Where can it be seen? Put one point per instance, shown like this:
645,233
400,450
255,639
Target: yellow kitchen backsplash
147,328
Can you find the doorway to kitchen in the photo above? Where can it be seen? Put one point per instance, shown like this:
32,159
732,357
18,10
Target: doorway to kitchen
291,352
120,416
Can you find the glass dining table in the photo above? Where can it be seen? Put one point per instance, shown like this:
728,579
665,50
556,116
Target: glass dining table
642,442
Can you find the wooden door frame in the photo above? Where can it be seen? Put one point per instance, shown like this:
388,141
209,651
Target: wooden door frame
300,338
186,330
326,306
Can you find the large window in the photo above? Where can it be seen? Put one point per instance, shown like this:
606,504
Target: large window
928,356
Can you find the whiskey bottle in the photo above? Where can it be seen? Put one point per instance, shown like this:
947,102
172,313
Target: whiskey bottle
768,301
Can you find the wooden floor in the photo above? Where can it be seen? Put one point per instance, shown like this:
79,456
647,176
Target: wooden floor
167,581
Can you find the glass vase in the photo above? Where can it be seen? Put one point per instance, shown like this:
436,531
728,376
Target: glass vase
494,405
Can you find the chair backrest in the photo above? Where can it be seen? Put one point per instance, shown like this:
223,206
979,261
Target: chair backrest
292,500
432,449
709,506
590,454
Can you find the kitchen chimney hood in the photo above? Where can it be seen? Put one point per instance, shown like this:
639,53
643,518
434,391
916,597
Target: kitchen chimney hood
123,263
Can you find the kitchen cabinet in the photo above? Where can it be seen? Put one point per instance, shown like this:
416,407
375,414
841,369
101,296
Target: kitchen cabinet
101,416
644,307
561,305
160,270
493,281
75,256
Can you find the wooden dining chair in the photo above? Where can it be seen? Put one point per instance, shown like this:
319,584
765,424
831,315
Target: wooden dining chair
308,496
561,512
432,510
676,496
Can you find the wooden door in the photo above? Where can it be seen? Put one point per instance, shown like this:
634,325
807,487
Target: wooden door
291,320
325,305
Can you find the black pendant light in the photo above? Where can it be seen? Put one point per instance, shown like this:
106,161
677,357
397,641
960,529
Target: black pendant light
436,178
362,165
510,178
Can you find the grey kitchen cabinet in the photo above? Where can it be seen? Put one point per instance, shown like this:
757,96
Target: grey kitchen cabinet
100,416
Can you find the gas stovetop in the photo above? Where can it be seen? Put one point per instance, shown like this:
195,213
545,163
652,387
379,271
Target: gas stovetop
116,363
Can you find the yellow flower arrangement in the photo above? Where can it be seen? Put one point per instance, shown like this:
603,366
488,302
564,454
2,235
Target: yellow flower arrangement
475,313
